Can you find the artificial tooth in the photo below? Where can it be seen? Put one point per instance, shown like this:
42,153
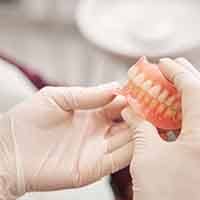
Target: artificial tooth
162,97
169,113
135,90
155,91
139,79
132,73
160,108
153,104
140,95
147,85
147,99
170,100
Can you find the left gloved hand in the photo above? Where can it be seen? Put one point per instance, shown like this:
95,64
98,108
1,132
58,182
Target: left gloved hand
64,138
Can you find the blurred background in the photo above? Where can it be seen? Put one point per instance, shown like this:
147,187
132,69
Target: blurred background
46,35
88,42
43,35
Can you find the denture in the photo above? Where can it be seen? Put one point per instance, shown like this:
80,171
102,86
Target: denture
158,99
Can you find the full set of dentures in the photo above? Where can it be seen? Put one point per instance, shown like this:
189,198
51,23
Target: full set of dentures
159,101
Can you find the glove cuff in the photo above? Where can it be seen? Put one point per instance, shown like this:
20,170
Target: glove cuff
12,184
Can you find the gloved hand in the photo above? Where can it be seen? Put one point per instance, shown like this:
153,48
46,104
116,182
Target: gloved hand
63,138
169,171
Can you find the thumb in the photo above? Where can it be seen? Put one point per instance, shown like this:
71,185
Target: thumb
188,83
70,98
145,134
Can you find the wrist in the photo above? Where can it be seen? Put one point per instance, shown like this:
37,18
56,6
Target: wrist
11,176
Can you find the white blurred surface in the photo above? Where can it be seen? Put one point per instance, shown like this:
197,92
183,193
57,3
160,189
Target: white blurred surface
147,27
99,191
59,53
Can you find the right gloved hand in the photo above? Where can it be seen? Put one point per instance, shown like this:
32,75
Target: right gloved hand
169,171
63,138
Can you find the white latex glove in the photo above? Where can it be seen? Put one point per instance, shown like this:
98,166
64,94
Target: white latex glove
169,171
63,138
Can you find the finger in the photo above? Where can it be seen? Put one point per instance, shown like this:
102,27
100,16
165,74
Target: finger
178,74
118,159
184,62
70,98
131,118
143,131
189,86
118,137
113,110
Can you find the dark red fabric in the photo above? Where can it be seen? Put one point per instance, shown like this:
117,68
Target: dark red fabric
32,75
121,183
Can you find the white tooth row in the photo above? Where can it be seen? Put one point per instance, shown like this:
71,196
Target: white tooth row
163,96
155,91
147,85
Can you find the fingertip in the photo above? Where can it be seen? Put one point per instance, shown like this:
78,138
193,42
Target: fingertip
131,117
166,66
184,62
